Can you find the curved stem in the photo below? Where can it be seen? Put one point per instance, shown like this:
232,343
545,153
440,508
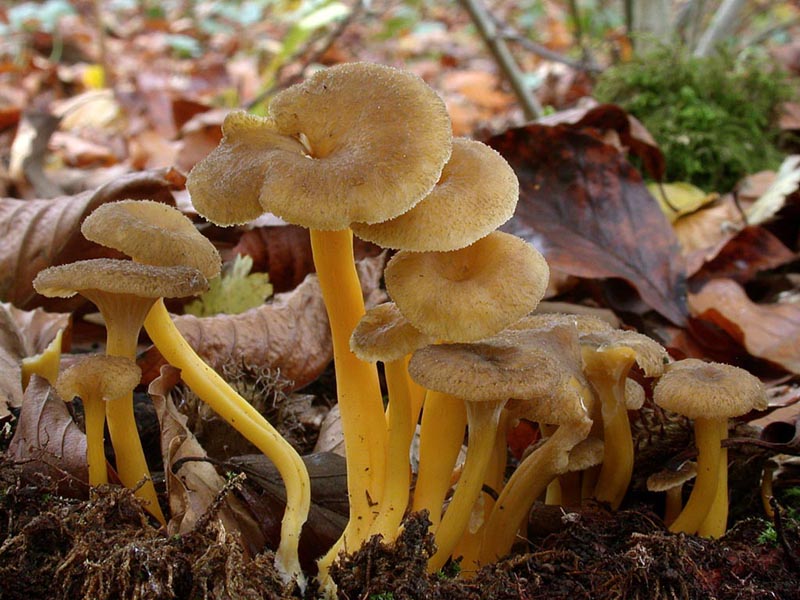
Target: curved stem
242,416
707,440
357,388
526,484
398,473
716,522
94,413
444,419
482,421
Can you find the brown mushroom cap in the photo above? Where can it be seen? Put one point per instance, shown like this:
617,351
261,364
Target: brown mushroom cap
468,294
650,355
119,277
384,334
662,481
99,376
708,390
357,142
476,193
584,323
588,453
634,395
152,233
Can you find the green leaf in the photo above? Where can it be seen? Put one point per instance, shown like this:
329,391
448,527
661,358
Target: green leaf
234,292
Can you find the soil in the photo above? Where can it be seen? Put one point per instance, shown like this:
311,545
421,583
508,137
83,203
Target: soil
106,547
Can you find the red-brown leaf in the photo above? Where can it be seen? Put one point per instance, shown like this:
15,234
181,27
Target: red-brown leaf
588,211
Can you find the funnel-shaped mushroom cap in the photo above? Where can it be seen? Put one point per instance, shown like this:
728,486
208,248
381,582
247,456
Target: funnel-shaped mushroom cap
588,453
384,334
152,233
708,390
476,193
99,377
468,294
357,142
650,355
119,277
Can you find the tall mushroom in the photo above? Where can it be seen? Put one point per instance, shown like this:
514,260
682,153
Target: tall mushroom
332,152
154,233
710,394
124,292
96,379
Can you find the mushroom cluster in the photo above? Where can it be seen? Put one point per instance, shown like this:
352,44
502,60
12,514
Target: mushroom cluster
367,149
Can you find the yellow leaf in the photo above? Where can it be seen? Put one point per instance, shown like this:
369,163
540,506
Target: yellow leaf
234,292
681,198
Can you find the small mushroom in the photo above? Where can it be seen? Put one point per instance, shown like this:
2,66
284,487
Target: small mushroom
96,379
709,393
671,481
384,335
468,294
608,358
124,292
476,193
157,234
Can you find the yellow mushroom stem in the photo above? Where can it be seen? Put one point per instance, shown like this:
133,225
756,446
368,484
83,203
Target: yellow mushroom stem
469,546
673,504
607,369
444,420
357,389
94,413
716,522
528,482
242,416
124,315
482,422
767,490
708,436
402,419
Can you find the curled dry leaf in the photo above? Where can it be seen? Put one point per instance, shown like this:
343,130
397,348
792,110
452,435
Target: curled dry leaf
22,334
40,233
48,442
290,334
195,485
767,331
588,211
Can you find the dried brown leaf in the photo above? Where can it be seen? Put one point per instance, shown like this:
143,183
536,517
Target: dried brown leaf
195,485
40,233
48,442
22,334
290,334
767,331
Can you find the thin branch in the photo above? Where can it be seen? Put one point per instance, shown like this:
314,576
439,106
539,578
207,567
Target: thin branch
722,25
512,35
530,105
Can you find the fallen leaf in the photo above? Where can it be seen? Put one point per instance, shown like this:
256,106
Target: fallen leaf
751,250
290,334
38,234
22,334
193,488
48,442
679,198
767,331
234,291
588,211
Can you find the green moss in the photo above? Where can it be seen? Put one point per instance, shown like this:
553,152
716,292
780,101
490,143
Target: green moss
714,118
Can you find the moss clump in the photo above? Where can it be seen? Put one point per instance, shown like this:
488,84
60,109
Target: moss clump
714,118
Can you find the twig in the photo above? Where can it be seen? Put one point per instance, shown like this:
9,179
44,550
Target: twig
780,533
530,105
512,35
328,41
722,25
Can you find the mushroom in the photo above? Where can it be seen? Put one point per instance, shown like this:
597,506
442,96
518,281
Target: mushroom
709,393
333,152
608,358
471,293
45,364
124,292
671,482
485,375
476,193
566,489
564,401
157,234
384,335
96,379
